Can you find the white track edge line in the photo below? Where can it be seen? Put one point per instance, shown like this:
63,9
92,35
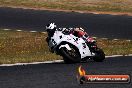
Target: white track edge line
32,63
54,61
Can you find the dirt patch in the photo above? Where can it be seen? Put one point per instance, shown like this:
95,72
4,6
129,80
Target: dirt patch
93,12
113,7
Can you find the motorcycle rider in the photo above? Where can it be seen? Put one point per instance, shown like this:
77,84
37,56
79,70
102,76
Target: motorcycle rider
50,28
79,32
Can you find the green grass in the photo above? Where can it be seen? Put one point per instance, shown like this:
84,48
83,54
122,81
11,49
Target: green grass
24,47
115,47
20,47
82,5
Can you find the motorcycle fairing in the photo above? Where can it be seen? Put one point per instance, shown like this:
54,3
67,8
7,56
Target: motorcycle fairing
59,37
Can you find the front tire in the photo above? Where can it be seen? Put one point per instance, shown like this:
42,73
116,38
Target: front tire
70,58
99,55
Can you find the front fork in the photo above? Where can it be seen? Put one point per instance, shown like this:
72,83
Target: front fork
92,47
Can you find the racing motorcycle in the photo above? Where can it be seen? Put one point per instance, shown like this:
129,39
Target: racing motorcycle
74,49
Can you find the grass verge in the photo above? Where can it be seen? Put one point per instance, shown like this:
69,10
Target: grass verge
20,47
83,5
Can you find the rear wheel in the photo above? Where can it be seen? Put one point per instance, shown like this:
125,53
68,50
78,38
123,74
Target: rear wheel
99,55
70,56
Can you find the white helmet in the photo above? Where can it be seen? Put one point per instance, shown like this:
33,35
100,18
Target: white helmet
51,26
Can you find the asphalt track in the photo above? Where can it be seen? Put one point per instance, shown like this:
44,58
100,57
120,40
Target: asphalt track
60,75
108,26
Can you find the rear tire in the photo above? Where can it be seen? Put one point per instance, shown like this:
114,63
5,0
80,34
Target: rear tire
99,55
68,58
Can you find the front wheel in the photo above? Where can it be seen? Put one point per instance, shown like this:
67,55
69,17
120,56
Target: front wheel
99,55
70,56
